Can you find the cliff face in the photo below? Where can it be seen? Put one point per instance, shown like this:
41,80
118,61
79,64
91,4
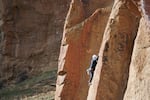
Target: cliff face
139,75
116,30
1,22
107,28
112,70
30,36
83,31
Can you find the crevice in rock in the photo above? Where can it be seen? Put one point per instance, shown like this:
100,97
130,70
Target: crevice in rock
61,73
138,81
110,79
83,35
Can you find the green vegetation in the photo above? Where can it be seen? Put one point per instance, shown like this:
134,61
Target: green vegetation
32,86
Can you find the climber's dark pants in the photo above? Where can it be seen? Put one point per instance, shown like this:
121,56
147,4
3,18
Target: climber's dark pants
91,76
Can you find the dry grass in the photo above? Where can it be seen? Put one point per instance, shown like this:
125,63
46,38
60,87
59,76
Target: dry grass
42,85
42,96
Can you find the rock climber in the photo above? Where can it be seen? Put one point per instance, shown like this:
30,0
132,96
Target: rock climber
91,69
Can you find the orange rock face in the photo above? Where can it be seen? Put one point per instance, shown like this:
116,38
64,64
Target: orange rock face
83,31
139,75
116,30
111,74
107,28
138,84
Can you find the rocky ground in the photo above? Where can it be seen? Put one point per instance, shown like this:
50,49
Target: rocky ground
42,96
41,85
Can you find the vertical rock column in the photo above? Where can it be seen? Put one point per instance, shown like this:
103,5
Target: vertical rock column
83,33
139,76
111,73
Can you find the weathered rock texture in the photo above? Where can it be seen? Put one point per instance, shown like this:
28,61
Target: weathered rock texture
139,75
109,28
111,75
1,22
83,31
32,32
